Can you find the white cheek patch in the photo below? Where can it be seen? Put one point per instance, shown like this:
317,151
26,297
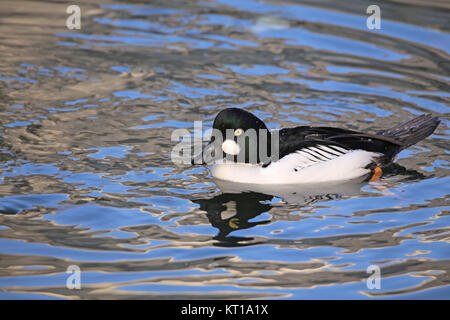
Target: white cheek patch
230,147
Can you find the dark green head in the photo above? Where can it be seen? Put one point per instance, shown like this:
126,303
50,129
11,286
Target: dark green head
239,136
234,118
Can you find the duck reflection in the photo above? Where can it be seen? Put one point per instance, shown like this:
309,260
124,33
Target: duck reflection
232,211
239,203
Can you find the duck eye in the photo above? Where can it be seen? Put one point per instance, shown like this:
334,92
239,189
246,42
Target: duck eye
238,132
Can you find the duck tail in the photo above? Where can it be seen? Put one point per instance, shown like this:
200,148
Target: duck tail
412,131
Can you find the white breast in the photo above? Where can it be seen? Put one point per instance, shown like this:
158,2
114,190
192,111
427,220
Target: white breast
300,167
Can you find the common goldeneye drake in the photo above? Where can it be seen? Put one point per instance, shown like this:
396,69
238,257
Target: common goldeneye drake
303,154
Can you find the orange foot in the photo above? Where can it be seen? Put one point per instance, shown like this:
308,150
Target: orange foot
377,173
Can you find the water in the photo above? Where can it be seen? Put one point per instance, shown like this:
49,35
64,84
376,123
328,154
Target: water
85,143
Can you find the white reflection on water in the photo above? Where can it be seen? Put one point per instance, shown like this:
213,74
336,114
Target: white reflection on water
86,175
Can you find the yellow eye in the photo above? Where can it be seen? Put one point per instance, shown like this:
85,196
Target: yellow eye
238,132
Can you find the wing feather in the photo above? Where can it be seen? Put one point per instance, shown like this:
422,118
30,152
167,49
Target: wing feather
309,156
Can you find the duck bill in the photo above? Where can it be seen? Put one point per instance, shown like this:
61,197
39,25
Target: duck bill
206,156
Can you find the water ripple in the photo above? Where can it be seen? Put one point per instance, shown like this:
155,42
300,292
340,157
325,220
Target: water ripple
85,147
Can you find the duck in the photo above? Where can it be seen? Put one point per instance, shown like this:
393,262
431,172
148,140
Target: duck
243,150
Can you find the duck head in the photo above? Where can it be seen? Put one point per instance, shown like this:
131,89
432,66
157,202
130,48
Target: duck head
237,136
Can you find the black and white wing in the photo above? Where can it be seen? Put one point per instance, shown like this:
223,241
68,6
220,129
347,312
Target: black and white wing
311,154
325,143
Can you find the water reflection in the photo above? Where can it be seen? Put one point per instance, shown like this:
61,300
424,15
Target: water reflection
85,142
238,203
232,211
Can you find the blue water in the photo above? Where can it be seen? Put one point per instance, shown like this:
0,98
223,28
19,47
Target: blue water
87,177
